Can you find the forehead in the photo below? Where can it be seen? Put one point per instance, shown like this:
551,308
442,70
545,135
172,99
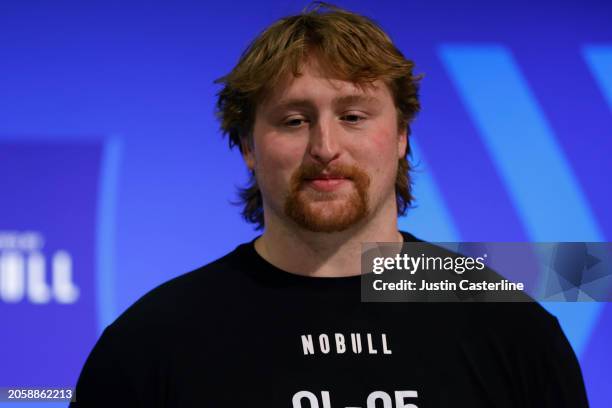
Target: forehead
316,83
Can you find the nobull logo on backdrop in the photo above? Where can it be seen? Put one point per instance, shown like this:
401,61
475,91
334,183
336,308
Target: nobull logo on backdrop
49,223
29,273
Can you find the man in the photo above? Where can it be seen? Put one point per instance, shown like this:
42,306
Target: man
320,106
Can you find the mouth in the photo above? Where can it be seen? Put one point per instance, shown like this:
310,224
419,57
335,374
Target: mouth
326,183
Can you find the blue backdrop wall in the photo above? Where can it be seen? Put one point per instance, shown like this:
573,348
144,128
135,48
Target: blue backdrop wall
115,177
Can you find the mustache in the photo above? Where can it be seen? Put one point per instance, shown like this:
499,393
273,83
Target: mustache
314,170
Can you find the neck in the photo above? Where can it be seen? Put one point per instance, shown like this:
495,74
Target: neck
319,254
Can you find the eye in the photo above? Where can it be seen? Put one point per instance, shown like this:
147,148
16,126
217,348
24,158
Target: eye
353,118
294,122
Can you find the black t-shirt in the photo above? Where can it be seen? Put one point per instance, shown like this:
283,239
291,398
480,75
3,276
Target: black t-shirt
240,332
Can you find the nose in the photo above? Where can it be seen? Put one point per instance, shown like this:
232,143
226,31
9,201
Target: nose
323,142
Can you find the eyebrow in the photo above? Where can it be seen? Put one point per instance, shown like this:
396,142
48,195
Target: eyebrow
339,100
355,98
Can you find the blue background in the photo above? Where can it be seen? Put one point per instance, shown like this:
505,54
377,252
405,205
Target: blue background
513,142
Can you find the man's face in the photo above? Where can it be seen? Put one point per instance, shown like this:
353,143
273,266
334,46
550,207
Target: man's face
325,151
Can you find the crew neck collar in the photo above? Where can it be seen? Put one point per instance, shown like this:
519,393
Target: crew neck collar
254,263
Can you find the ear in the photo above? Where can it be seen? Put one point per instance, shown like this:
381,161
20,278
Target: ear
247,154
402,143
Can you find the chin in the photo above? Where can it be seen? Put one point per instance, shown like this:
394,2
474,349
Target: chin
330,220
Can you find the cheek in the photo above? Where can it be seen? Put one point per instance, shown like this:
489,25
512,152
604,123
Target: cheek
381,152
278,160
